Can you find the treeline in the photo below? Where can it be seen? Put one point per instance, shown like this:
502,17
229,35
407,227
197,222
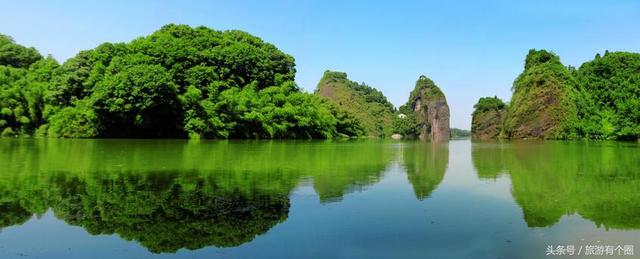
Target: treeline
177,82
598,100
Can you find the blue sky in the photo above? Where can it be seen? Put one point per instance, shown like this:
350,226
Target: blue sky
469,48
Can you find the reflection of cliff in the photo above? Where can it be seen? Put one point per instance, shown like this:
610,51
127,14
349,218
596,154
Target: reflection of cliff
350,168
163,211
488,159
598,181
426,164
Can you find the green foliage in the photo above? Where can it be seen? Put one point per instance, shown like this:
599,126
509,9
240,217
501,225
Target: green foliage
460,133
177,82
406,125
487,118
538,57
23,94
368,106
15,55
426,89
543,101
610,96
489,103
74,122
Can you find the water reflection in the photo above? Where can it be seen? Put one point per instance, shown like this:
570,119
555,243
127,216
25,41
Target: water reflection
425,165
599,181
169,195
163,211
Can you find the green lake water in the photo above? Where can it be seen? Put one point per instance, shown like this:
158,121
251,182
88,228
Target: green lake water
314,199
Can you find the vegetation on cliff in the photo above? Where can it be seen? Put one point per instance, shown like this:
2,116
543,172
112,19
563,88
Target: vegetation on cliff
368,106
487,118
543,101
599,100
426,114
177,82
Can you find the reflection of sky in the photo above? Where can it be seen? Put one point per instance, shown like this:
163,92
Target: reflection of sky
463,217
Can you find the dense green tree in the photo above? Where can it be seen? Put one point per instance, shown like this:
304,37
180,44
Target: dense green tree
405,122
15,55
177,82
489,103
609,107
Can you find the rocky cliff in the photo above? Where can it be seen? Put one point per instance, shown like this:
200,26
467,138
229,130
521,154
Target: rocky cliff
431,109
487,118
543,104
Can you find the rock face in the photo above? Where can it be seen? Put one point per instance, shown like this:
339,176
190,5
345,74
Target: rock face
487,118
486,125
542,105
432,110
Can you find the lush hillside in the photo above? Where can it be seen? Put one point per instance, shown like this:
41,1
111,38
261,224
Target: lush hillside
177,82
367,105
543,101
487,118
609,86
599,100
426,113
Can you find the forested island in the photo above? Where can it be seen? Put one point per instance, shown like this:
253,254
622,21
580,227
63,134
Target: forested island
184,82
175,83
598,100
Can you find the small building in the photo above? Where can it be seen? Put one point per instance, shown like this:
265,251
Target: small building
402,116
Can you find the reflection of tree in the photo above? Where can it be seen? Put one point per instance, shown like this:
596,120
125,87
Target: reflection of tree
168,194
426,164
11,213
598,181
163,211
487,159
341,169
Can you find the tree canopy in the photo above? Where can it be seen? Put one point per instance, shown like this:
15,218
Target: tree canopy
177,82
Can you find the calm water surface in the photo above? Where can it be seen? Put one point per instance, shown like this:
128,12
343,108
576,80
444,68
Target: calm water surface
305,199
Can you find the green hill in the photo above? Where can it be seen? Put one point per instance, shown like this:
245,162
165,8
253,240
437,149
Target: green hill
599,100
543,101
366,104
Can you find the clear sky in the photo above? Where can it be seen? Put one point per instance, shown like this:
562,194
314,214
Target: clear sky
469,48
